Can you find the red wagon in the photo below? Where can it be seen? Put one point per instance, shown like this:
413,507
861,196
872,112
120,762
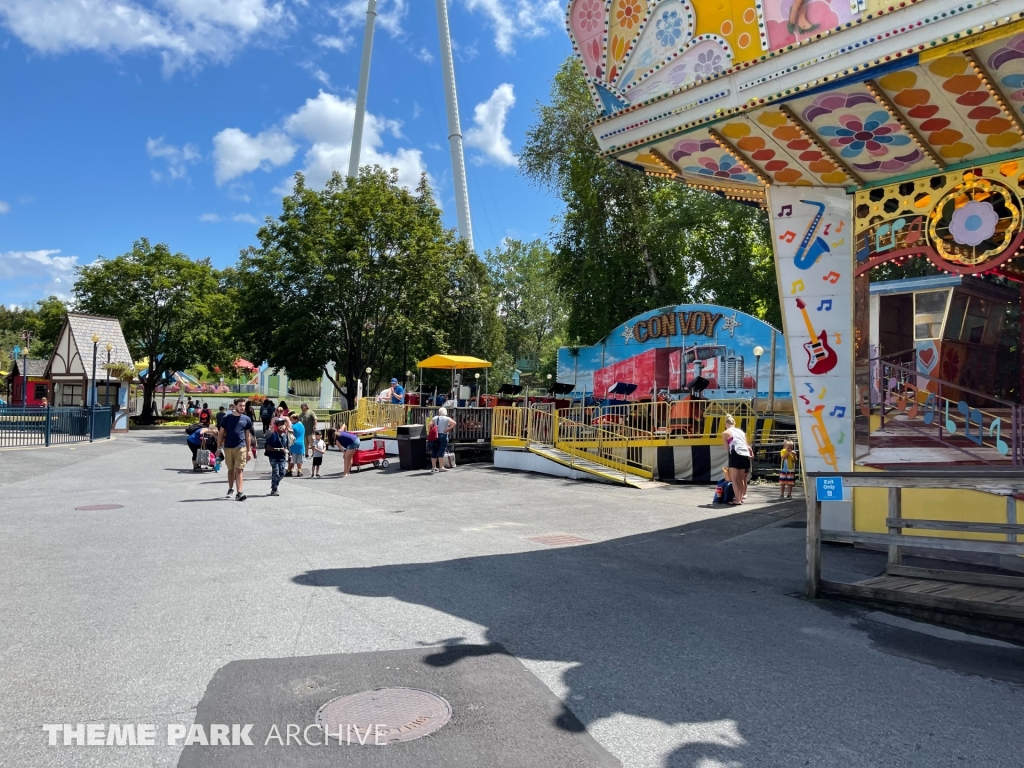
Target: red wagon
374,456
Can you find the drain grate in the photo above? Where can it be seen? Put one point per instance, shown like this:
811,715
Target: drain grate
383,716
97,507
559,540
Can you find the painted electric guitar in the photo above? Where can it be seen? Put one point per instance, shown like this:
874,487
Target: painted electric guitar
821,358
807,255
826,449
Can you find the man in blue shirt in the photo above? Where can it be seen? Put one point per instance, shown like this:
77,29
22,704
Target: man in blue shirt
237,439
397,392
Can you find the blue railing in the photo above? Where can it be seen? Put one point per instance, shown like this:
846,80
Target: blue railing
21,426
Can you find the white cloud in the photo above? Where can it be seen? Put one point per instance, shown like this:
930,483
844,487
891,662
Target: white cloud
389,15
210,218
325,125
327,121
417,110
518,18
178,158
4,207
488,131
236,153
246,218
322,77
181,31
340,44
424,55
27,276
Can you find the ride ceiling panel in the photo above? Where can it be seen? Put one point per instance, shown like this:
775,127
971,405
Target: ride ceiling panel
951,109
1004,62
862,133
703,159
781,150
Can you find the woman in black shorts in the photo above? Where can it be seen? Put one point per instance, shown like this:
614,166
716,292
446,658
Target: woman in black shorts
735,440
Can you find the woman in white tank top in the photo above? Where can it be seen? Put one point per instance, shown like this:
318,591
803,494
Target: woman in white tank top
735,440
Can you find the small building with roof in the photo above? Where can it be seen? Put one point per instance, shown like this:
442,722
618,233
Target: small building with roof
34,369
70,368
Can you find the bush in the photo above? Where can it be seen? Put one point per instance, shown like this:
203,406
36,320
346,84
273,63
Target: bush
257,399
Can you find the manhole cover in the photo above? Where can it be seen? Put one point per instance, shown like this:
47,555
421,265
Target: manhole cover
383,716
93,507
559,540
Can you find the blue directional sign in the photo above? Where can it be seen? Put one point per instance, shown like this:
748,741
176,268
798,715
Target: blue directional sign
829,488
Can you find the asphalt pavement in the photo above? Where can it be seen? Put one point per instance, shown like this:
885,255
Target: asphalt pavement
673,631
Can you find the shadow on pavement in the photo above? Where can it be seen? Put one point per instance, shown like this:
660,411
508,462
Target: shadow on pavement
695,637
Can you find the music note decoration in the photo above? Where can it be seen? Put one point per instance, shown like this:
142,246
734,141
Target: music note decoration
825,306
788,236
784,211
838,412
798,286
832,277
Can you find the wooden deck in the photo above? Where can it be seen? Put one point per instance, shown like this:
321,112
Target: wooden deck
935,594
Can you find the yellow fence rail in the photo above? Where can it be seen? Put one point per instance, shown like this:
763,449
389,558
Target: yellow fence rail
508,427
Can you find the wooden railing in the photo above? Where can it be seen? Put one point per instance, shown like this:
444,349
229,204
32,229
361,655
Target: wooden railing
1007,484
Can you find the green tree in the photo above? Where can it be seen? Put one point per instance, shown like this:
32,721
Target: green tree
628,242
529,306
360,273
173,310
44,323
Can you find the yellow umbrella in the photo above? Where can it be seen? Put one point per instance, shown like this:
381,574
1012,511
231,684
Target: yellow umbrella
456,362
453,363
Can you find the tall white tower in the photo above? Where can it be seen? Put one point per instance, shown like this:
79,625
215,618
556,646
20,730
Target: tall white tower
451,101
364,85
454,130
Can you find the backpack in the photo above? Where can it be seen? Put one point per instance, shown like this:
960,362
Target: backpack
723,492
191,429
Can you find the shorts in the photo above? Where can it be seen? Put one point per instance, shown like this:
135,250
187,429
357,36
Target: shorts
440,447
787,478
318,460
234,458
738,462
296,457
347,443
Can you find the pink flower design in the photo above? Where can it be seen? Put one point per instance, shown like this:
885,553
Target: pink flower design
589,15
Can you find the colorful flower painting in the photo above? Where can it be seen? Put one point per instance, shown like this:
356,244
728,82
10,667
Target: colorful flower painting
670,28
725,167
628,13
590,15
973,223
874,134
708,63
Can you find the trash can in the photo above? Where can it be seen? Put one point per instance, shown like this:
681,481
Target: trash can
412,447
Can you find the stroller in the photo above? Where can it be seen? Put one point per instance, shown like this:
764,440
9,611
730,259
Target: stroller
205,455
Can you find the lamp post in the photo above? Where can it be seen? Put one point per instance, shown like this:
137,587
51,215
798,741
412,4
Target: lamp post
477,377
92,414
106,378
758,351
369,370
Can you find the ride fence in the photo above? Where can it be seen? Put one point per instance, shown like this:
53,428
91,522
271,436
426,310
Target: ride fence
21,426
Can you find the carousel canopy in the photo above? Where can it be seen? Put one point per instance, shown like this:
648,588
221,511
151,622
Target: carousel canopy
457,362
915,108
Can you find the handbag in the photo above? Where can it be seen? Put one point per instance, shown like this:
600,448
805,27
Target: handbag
432,432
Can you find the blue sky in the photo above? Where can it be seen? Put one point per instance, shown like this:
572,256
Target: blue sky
183,120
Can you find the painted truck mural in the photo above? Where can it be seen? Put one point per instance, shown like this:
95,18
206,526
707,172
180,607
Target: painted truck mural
668,350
